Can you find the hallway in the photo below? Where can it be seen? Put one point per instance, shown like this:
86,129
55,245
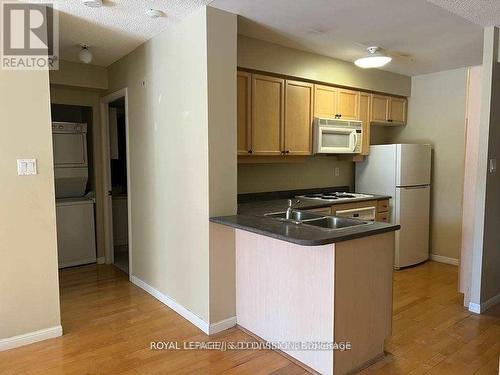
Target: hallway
109,324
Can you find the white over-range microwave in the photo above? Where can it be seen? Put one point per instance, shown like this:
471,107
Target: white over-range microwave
334,136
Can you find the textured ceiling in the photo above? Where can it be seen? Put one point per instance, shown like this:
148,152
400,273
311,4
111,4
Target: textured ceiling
482,12
420,36
115,29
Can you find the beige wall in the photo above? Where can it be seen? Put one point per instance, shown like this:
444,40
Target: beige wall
269,57
221,68
317,171
90,98
436,115
174,152
485,280
29,293
80,75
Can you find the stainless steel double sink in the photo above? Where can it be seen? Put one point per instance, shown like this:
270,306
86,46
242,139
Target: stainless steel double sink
321,221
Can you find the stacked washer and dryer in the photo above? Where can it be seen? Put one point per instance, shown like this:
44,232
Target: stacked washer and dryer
76,243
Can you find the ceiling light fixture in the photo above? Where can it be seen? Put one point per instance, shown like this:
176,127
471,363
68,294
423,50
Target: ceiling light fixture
154,13
92,3
375,59
85,56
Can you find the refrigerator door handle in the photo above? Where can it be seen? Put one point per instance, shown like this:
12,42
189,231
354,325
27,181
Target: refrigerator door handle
413,187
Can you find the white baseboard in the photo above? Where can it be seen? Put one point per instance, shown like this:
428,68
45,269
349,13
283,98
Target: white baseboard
101,260
222,325
209,329
442,259
170,302
479,308
30,338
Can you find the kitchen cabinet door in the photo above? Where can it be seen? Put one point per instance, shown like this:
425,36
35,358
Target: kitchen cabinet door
380,108
267,114
364,116
348,104
325,101
244,95
298,118
397,113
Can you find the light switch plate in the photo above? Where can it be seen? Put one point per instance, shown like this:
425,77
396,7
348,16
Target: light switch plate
26,167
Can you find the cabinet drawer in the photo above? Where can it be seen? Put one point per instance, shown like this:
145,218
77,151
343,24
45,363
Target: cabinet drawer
383,205
383,216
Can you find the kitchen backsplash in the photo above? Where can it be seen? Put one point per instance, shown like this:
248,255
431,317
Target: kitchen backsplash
315,171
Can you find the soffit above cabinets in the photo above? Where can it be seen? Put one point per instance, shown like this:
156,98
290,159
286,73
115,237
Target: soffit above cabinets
420,36
115,29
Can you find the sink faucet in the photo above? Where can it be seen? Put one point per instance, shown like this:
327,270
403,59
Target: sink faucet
291,205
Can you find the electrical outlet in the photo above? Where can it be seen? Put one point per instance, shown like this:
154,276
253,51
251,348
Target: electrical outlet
337,171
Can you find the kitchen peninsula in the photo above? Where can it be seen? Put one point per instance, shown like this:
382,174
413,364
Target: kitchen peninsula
312,279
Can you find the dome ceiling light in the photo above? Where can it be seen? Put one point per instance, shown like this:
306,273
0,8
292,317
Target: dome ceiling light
375,59
154,13
92,3
85,56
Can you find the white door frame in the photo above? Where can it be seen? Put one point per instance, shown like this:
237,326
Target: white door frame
106,186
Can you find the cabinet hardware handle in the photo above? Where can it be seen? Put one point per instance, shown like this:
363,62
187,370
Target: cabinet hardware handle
340,115
250,151
287,151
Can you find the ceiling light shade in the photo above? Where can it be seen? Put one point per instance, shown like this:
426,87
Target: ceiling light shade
154,13
85,56
375,59
92,3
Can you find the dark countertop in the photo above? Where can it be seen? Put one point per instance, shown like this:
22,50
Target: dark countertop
301,234
279,205
251,218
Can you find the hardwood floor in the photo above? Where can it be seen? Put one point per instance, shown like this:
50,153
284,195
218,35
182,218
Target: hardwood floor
109,325
432,332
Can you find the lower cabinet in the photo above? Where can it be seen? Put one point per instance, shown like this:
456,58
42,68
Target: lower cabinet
377,210
368,210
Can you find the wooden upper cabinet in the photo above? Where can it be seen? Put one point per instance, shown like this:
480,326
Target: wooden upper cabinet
397,112
333,101
325,101
348,104
364,116
267,114
380,108
390,110
244,98
298,118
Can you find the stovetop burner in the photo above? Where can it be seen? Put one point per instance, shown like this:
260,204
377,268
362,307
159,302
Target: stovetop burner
334,196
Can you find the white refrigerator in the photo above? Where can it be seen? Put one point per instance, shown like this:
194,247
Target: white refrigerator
402,171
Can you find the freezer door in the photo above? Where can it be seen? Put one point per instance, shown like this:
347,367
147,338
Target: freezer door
412,213
413,165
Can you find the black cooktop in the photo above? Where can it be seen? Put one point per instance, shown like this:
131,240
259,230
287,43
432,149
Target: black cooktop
332,195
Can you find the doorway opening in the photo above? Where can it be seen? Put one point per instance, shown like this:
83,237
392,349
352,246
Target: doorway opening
75,184
117,180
